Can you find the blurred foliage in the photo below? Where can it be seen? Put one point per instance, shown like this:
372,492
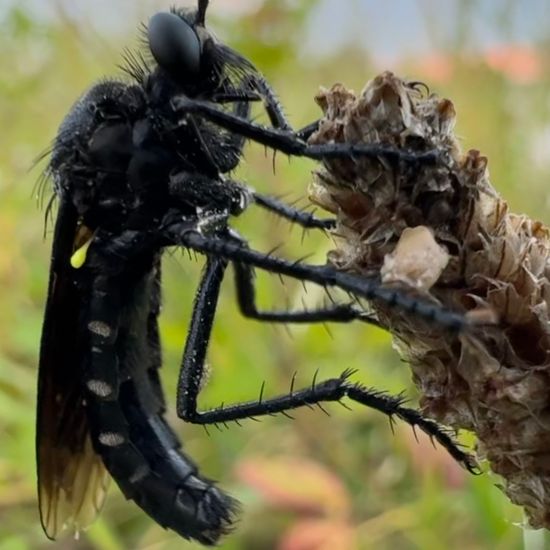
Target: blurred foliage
342,482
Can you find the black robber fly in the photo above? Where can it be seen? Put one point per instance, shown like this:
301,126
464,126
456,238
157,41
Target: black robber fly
138,166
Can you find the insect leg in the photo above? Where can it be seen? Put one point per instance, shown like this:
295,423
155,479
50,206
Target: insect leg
306,132
288,143
324,275
271,103
246,292
192,370
198,336
204,309
246,298
235,97
301,217
334,389
201,190
241,109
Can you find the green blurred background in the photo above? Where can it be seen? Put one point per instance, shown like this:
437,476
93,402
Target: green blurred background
318,482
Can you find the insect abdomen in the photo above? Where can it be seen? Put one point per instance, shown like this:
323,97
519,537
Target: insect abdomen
125,410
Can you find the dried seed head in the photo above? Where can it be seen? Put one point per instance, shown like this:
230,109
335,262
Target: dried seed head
443,229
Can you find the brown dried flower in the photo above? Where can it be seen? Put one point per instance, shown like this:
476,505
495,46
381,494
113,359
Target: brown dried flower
444,231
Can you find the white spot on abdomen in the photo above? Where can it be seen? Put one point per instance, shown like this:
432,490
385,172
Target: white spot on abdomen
111,439
100,328
99,388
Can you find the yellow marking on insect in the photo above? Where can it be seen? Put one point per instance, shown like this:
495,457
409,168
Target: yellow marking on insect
79,255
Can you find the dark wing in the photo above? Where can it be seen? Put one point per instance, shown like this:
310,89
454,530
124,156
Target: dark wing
72,481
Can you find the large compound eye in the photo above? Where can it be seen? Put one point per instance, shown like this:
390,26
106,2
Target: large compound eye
174,44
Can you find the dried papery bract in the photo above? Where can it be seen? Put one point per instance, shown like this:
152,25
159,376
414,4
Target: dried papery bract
442,230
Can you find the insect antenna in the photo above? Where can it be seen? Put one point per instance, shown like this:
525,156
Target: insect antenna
201,12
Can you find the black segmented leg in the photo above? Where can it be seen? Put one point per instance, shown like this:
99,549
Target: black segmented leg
272,105
307,131
301,217
338,313
202,190
324,275
226,163
335,313
235,97
335,389
198,334
259,90
128,430
199,330
209,164
289,143
192,371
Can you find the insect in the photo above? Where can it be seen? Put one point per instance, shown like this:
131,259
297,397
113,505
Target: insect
137,167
